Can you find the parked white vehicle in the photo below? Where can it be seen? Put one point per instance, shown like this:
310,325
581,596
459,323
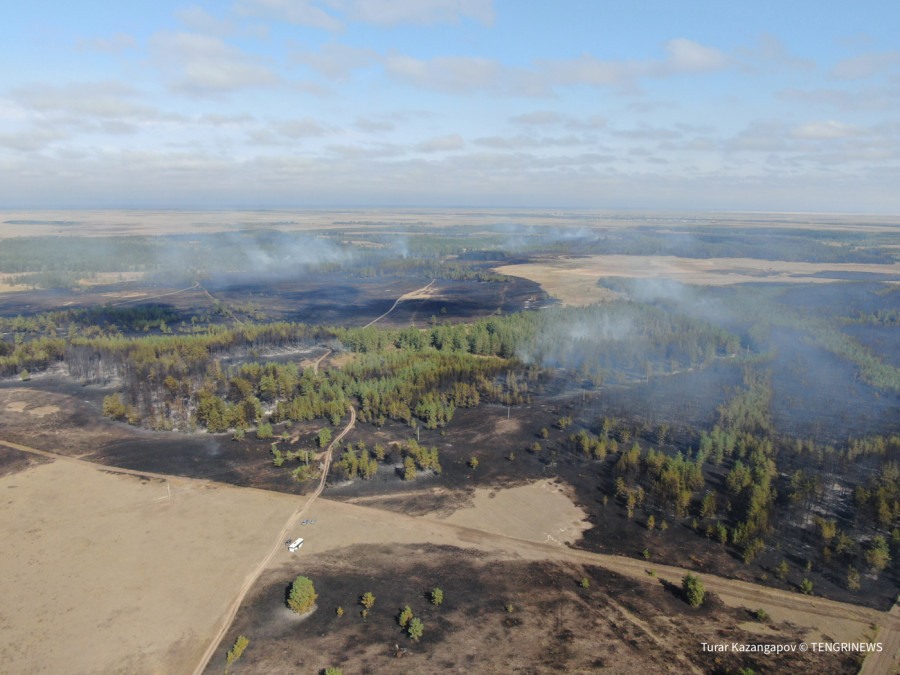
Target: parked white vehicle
294,545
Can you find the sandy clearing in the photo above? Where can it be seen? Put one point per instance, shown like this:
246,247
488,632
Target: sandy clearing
43,411
540,511
574,280
22,406
105,573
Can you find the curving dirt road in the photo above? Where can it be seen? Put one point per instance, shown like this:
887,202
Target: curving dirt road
276,548
318,361
405,296
144,298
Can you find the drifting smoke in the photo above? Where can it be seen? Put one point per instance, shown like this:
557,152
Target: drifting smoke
261,252
518,237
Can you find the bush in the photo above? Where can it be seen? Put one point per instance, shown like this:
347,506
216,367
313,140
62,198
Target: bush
302,597
416,628
437,596
235,652
264,431
694,593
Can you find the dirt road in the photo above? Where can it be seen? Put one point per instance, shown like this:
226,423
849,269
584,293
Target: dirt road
405,296
145,298
277,547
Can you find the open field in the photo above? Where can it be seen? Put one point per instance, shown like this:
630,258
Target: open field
145,566
574,280
100,222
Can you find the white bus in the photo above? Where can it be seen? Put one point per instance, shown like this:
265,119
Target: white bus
294,545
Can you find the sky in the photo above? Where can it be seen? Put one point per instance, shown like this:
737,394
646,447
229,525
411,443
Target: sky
655,104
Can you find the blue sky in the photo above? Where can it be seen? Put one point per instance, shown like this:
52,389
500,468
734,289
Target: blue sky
292,103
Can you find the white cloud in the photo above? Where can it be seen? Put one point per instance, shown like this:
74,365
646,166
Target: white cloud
521,141
357,152
201,64
771,51
684,57
370,125
336,61
303,12
331,15
299,128
441,144
198,20
115,44
538,117
421,12
32,140
216,119
865,65
100,99
284,132
825,130
458,74
687,56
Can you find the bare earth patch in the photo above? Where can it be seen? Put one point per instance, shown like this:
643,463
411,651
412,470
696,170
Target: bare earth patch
40,411
107,573
536,512
574,280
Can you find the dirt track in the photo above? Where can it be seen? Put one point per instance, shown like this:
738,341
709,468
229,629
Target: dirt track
277,547
406,296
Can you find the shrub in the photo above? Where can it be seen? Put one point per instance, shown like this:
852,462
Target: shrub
437,596
235,652
416,628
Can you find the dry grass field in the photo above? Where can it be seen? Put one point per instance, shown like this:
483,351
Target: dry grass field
573,281
112,573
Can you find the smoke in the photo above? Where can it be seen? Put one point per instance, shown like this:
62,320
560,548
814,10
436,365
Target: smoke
258,252
517,237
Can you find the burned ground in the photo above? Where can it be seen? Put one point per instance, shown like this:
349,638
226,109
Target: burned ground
485,433
498,615
335,299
